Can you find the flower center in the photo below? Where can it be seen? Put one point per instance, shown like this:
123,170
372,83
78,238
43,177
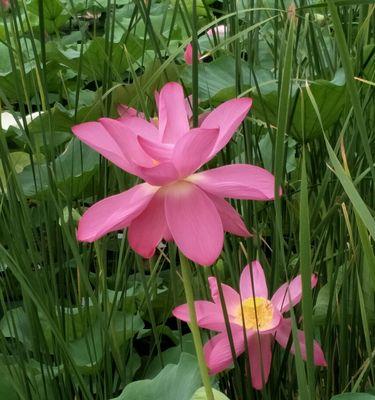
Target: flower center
257,313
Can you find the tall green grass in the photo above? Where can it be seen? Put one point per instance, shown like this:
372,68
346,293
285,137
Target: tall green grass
83,321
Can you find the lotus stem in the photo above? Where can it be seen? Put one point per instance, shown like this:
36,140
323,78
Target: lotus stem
185,267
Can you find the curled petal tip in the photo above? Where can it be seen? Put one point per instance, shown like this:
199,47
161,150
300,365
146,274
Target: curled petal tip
246,101
83,236
319,358
172,85
180,312
211,280
323,363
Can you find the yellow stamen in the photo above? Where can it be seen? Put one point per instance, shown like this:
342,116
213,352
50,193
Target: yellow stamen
259,320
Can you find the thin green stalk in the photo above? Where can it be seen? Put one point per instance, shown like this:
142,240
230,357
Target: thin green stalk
282,125
300,368
351,85
305,262
185,268
148,297
195,75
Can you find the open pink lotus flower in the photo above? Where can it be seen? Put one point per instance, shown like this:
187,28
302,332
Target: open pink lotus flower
220,31
175,202
252,312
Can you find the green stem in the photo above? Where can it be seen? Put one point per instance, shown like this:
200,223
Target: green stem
102,270
185,267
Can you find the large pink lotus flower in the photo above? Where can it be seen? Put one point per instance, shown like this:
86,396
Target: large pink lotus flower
253,318
175,202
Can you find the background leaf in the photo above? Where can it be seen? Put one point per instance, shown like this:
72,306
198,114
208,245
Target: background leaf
174,381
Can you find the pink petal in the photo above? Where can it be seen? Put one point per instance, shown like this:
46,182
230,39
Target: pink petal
228,117
188,54
260,357
188,102
173,121
194,223
96,136
231,297
146,231
125,111
218,353
140,127
158,151
231,220
161,175
290,294
127,141
113,213
259,282
192,150
209,315
238,181
282,336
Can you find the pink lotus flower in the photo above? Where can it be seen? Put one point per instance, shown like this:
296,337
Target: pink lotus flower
175,202
220,31
253,312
